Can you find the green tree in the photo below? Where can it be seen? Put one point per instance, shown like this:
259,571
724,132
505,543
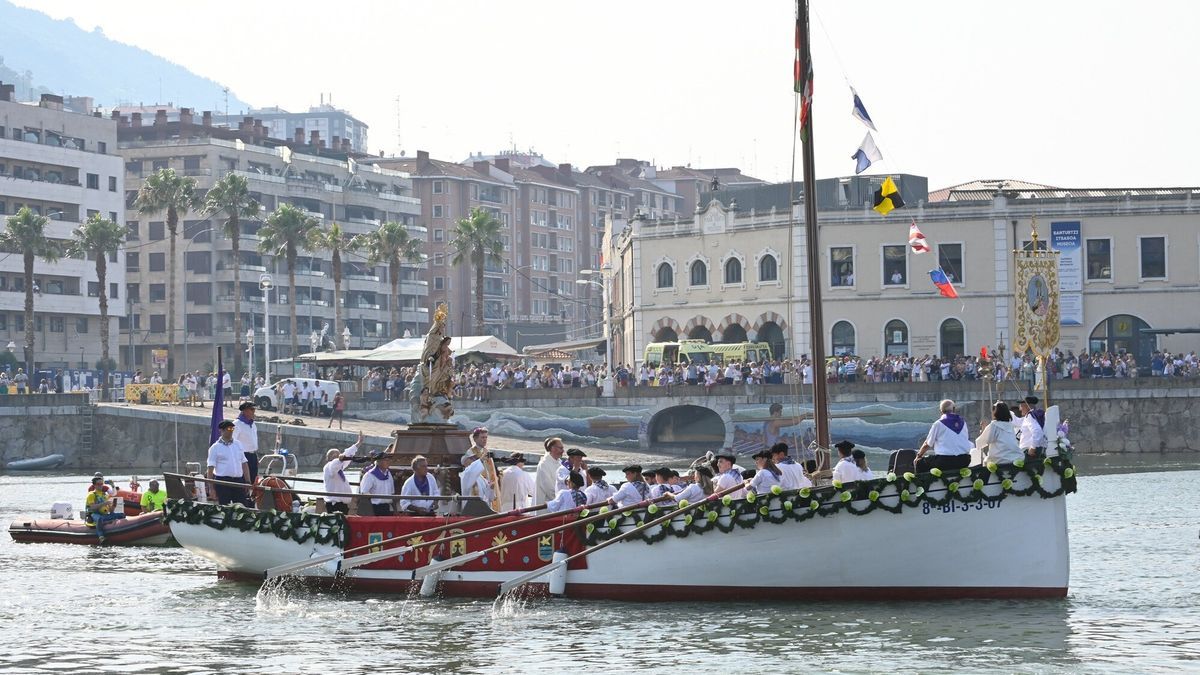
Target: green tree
97,238
231,198
167,191
338,242
477,241
392,244
26,234
287,231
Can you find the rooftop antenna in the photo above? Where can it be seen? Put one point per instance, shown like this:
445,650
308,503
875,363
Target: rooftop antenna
226,91
399,138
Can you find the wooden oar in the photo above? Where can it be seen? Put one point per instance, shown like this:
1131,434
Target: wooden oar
546,569
436,566
280,570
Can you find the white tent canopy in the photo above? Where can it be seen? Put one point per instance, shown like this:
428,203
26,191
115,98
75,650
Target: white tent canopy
408,350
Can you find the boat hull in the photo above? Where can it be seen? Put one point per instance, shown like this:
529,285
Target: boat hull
37,464
143,530
983,543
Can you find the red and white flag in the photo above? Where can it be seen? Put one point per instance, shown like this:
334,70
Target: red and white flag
916,240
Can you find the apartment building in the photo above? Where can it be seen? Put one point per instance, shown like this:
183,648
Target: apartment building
323,180
690,183
62,165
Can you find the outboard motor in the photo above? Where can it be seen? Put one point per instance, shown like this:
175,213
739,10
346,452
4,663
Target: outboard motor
61,511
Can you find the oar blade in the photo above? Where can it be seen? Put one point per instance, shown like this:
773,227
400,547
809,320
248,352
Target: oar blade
366,559
439,565
529,576
289,568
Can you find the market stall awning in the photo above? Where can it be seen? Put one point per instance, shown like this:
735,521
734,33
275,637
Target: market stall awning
569,346
334,358
408,350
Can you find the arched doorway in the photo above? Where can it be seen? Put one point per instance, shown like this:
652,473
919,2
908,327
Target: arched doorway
1122,333
666,334
693,427
842,343
700,333
772,334
953,339
895,338
733,334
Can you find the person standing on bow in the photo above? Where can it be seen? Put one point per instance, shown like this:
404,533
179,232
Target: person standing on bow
633,490
379,484
227,462
334,476
548,470
419,484
487,469
1032,432
570,497
246,434
948,440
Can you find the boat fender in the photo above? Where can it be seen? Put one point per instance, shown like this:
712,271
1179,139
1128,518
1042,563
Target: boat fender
558,577
429,584
281,495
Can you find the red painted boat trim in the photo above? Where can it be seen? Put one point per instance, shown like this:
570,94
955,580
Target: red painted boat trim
643,593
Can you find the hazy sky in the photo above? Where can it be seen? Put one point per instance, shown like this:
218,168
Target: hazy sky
1069,93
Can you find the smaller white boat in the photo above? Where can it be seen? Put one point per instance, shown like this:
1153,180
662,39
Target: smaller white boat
37,464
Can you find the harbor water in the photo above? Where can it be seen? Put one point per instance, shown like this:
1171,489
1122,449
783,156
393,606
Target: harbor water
1133,606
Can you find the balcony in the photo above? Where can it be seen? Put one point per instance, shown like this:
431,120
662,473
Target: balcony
254,175
222,266
310,273
490,197
312,303
373,222
361,277
363,305
392,197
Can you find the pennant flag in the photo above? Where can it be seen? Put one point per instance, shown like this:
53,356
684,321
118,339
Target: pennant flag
860,111
887,197
802,74
943,284
218,403
866,153
916,240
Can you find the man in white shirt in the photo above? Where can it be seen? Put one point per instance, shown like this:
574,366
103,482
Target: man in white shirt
1031,436
419,484
227,462
599,491
471,479
516,484
728,474
793,473
289,390
948,440
334,474
227,388
548,470
633,490
487,469
379,483
570,497
246,434
845,471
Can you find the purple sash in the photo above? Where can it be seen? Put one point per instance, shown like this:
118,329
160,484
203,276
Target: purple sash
380,473
422,484
953,422
1040,416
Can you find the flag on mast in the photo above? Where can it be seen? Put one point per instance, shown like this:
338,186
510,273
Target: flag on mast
945,288
802,76
916,240
866,154
887,197
860,111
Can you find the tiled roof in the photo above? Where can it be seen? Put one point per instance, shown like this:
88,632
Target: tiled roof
985,190
726,175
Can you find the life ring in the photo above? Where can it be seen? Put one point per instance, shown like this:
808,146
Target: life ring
282,494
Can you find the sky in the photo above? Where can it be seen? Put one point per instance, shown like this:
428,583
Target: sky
1067,93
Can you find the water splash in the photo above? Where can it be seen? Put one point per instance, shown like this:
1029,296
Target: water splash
510,606
275,596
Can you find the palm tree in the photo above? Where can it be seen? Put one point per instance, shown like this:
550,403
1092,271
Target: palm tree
477,240
287,231
26,234
337,241
231,197
167,191
99,237
392,244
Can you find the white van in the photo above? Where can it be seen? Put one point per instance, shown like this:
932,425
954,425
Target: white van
266,399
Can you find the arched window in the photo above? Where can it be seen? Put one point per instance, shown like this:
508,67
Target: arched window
666,275
895,338
733,271
768,268
953,338
699,273
843,339
1122,334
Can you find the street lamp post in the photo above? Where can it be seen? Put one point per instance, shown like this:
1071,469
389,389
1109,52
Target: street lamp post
266,284
250,348
609,389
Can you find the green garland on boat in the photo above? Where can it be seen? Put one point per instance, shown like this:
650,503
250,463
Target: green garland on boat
966,487
298,527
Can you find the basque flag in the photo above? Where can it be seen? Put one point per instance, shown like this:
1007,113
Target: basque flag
943,284
218,403
860,111
916,240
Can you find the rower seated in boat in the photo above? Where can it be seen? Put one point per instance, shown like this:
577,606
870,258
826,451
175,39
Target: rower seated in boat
662,483
379,484
633,490
999,439
948,440
568,499
599,490
767,474
700,487
728,475
419,484
100,507
794,477
845,471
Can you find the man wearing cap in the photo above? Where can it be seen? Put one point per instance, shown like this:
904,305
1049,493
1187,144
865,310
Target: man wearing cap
728,474
575,463
1031,434
246,434
794,477
419,484
227,462
548,471
379,484
490,481
569,497
153,499
516,484
948,440
845,471
334,476
662,483
599,491
633,490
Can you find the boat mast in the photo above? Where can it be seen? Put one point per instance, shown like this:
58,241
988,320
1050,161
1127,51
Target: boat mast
815,321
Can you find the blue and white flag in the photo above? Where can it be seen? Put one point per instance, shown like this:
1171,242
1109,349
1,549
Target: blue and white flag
866,154
860,111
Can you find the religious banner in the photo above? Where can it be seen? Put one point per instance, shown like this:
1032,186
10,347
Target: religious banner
1037,299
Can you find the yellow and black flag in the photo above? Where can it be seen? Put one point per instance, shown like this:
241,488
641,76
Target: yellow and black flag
887,197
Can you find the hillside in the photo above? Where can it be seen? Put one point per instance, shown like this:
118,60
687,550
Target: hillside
38,53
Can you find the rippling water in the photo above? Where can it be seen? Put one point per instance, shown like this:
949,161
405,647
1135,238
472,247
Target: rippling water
1133,606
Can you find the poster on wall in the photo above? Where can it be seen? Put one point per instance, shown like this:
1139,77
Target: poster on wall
159,358
1066,238
1070,309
